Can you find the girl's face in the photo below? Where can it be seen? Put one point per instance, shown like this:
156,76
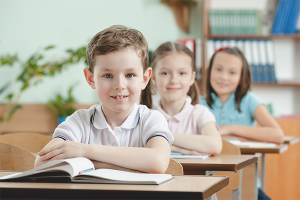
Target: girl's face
225,73
173,77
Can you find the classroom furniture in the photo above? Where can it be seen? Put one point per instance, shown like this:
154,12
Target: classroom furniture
32,142
210,165
283,170
290,140
33,118
15,158
235,178
174,168
180,187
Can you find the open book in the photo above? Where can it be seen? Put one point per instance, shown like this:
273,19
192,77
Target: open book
82,170
252,144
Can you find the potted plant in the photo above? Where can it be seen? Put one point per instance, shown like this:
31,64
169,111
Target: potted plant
62,107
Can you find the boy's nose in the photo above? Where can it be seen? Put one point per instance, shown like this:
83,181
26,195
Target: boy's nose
119,84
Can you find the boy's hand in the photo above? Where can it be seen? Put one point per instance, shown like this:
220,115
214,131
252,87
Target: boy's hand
64,150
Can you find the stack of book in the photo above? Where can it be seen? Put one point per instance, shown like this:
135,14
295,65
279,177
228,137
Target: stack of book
286,18
235,22
195,46
259,54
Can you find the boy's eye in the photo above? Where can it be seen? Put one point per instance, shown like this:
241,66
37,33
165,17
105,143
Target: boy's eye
164,73
182,73
129,75
107,76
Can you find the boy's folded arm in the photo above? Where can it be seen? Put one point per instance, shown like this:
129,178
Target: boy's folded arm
152,159
52,143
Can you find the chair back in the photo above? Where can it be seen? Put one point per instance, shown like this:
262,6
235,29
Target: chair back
15,158
234,177
174,168
33,142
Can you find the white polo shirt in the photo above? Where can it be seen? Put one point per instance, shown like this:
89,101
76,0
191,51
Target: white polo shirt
89,126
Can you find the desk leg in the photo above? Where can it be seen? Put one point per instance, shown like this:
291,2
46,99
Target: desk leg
210,173
237,194
255,182
263,174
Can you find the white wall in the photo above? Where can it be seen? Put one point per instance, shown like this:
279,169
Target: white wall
29,25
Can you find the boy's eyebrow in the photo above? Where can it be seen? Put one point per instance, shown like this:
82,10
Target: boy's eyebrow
106,69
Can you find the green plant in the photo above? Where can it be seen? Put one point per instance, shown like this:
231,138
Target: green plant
63,107
33,70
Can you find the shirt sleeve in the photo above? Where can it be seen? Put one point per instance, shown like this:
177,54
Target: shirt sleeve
155,124
253,102
71,129
203,116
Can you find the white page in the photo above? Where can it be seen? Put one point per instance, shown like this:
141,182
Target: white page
189,156
252,144
118,175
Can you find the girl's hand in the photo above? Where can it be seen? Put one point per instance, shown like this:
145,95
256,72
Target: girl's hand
64,150
100,165
225,130
187,151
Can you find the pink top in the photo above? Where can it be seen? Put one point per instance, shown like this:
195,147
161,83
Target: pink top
190,119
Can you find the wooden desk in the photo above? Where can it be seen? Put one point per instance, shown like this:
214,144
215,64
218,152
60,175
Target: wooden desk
291,140
217,163
263,150
181,187
232,163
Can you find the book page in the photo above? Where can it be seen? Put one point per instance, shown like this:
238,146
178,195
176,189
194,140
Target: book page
123,176
252,144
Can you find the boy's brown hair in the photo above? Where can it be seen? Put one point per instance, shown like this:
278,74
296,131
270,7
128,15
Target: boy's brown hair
245,80
117,38
163,50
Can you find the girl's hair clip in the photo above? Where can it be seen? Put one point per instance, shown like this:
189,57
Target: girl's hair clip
221,49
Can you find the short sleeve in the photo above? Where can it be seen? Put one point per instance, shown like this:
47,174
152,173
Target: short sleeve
154,124
71,129
253,101
203,116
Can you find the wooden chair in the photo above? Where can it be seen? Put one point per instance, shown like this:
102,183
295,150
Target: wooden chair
174,168
15,158
33,142
234,177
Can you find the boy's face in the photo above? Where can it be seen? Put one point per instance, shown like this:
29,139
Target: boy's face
118,79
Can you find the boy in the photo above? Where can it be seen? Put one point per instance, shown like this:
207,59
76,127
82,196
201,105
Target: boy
112,133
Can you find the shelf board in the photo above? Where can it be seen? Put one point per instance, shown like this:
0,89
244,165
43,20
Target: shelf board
280,83
295,37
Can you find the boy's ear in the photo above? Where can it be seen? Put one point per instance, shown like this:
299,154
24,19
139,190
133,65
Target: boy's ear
89,77
146,77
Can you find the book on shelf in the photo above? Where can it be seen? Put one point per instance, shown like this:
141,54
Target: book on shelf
175,155
235,22
195,46
286,17
260,56
81,170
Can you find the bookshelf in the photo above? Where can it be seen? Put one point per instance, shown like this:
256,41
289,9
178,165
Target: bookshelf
206,35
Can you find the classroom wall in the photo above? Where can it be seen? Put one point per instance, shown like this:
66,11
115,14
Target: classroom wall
27,26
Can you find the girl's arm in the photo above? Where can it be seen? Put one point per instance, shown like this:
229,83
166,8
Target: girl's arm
152,159
209,142
268,131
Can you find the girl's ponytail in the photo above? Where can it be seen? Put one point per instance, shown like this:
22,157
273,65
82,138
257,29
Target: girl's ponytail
194,93
146,96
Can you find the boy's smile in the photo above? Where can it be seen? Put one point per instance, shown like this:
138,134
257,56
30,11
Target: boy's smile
118,79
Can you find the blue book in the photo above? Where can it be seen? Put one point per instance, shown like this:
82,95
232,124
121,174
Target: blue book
276,19
286,16
263,61
249,56
293,17
270,61
257,76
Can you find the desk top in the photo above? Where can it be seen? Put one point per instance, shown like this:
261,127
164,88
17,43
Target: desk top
184,187
218,163
291,140
252,150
